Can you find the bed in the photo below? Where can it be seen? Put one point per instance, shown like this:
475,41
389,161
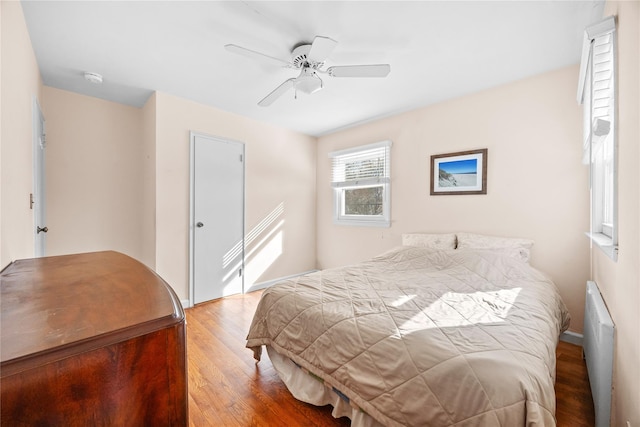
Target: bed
420,335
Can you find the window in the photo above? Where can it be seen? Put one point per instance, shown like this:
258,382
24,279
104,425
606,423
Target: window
361,181
597,92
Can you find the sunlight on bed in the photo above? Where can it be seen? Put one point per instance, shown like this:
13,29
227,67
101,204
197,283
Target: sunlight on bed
455,309
402,300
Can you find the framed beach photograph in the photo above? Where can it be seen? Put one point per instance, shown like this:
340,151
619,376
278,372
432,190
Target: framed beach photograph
464,172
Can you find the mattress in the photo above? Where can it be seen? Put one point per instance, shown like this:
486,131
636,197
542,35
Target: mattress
418,336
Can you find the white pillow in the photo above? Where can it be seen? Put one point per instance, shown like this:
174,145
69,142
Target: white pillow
433,241
518,248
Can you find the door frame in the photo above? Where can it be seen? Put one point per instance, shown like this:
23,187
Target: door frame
38,195
192,200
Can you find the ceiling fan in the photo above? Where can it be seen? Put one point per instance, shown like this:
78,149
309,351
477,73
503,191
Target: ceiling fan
309,59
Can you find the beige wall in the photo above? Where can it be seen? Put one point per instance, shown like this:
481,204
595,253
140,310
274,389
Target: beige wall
94,174
148,207
280,169
20,85
118,178
537,186
619,281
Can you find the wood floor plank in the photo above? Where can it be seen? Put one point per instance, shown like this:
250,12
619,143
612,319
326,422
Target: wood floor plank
227,387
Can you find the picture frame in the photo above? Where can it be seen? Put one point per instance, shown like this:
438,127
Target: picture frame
464,172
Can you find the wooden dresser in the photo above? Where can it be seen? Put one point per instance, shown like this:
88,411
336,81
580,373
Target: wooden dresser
93,339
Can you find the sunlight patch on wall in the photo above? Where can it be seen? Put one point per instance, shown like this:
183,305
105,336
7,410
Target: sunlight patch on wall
264,255
255,232
262,246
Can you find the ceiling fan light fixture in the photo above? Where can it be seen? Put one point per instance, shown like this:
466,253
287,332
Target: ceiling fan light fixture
308,82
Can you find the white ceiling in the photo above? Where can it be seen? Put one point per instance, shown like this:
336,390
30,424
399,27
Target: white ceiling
438,50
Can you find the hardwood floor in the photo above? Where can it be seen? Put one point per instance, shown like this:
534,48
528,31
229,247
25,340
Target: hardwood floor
228,388
574,404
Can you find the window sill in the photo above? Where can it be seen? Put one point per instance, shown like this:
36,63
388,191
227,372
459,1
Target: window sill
605,243
362,223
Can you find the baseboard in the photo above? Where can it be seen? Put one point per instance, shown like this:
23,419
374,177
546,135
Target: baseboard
572,338
262,285
257,286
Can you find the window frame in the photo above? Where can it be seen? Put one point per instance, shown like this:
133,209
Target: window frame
340,187
600,142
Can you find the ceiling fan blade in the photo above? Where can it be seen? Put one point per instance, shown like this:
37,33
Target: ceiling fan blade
321,48
277,93
257,55
378,70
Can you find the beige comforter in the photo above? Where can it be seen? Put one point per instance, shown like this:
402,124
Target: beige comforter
418,337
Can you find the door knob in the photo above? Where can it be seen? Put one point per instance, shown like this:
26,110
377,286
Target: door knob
45,229
199,224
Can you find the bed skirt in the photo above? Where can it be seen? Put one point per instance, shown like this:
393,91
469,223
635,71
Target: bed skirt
308,388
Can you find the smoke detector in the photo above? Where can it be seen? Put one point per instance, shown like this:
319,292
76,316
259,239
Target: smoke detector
94,78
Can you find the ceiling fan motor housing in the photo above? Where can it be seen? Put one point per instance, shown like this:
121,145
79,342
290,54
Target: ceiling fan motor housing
299,57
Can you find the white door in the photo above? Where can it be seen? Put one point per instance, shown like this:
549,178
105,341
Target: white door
217,218
38,197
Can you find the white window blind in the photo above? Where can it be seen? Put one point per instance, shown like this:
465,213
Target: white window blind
361,181
602,96
602,77
364,165
596,83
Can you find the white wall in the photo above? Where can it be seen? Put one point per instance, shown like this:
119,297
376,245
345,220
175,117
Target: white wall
537,186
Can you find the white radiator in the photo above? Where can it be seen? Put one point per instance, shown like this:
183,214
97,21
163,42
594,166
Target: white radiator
598,352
